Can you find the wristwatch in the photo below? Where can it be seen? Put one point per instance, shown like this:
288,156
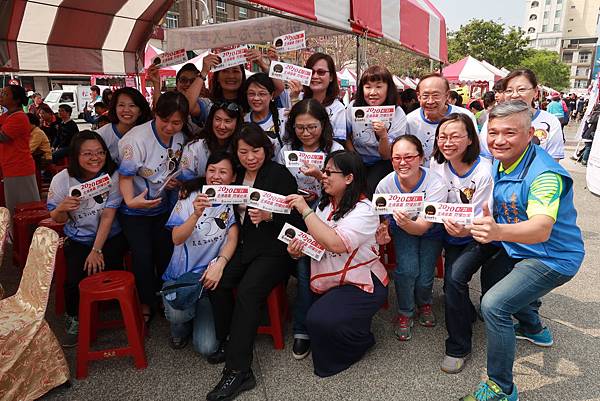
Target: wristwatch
202,77
97,250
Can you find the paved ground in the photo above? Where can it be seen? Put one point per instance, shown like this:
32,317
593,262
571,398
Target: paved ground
392,370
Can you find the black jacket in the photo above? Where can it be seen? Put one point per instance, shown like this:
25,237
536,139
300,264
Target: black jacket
262,240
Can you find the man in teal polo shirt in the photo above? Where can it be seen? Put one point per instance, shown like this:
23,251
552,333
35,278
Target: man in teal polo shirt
535,221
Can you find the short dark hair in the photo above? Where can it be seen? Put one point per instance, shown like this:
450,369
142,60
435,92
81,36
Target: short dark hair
434,75
333,89
73,167
138,99
173,102
196,183
106,96
412,139
254,136
348,163
33,119
316,110
472,152
489,99
263,79
458,98
100,104
66,108
95,88
45,108
186,67
19,94
476,104
377,73
498,85
408,94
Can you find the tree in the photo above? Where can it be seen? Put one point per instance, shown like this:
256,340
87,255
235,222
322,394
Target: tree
490,41
548,68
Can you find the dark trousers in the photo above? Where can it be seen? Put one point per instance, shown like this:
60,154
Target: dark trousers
339,325
59,154
239,319
151,249
375,173
462,262
75,255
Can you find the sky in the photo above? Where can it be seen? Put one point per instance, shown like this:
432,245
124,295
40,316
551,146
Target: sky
459,12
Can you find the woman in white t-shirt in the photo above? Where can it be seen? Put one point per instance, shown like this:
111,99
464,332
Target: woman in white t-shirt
523,85
372,139
349,281
417,242
468,179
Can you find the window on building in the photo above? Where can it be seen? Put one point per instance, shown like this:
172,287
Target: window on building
221,11
572,7
557,13
532,17
584,57
547,42
172,20
545,28
531,30
558,1
535,4
581,83
582,71
556,28
243,13
546,13
548,2
567,57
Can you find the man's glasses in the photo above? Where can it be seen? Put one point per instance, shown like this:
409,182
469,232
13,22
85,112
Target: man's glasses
436,97
328,172
407,158
320,72
311,128
89,155
230,106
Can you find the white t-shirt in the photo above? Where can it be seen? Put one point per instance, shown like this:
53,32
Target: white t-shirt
149,162
269,127
363,137
424,129
337,115
82,225
194,159
206,240
305,182
111,137
547,129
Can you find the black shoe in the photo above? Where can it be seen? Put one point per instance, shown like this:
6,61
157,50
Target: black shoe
231,384
301,348
218,356
178,343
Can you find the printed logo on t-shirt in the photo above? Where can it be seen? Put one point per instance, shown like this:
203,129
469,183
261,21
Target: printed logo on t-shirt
542,134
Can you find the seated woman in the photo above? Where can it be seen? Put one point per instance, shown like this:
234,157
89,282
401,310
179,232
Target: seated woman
259,264
350,281
205,237
94,239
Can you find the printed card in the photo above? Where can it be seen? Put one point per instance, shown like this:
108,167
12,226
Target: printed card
91,188
168,59
291,41
409,203
373,113
311,247
226,194
295,158
231,58
268,201
289,72
437,211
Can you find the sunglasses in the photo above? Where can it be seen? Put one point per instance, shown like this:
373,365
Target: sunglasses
230,106
328,172
173,159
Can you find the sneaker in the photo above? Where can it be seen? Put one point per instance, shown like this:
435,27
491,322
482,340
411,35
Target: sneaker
301,348
177,342
231,385
426,316
490,391
218,356
403,328
453,365
71,331
541,339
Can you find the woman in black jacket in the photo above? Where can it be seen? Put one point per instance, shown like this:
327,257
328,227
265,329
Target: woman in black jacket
259,264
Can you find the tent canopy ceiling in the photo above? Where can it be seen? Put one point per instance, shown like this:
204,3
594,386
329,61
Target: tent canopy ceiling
75,36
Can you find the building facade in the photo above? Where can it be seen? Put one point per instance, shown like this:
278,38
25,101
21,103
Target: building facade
186,13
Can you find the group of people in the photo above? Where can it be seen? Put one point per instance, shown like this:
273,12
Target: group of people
215,264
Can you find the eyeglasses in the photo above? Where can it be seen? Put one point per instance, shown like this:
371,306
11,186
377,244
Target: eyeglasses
321,73
231,106
261,95
451,139
89,155
328,172
407,158
433,96
311,128
519,91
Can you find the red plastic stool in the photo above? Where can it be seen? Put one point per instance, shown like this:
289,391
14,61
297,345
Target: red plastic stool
105,286
24,224
37,205
278,312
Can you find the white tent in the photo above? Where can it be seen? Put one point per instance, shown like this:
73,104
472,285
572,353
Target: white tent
500,72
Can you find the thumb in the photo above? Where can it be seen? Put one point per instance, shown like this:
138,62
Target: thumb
486,210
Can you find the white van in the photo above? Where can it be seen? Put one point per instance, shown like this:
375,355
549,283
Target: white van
76,96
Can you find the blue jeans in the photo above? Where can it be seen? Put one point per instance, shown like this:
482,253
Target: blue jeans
197,321
415,268
304,298
515,295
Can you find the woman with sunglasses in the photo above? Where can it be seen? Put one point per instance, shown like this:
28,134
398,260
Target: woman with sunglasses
372,139
308,129
522,85
417,243
324,88
262,110
259,264
349,282
468,179
150,155
128,109
94,240
224,120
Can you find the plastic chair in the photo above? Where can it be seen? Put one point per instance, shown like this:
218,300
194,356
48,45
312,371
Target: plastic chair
4,219
24,224
278,310
36,205
32,360
105,286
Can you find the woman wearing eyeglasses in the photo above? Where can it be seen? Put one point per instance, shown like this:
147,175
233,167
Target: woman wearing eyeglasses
349,282
523,85
260,262
224,120
94,239
372,139
150,154
468,178
417,242
324,88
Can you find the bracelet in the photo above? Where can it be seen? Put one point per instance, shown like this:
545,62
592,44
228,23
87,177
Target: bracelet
224,257
201,76
307,213
97,250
